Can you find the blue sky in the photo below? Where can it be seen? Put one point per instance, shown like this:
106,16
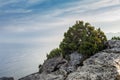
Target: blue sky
43,22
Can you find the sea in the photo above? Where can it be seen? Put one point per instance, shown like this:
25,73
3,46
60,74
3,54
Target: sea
19,60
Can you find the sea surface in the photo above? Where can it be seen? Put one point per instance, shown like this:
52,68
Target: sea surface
19,60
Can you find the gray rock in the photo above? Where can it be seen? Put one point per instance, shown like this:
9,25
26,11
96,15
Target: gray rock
53,64
113,44
7,78
43,76
56,68
76,59
112,50
101,66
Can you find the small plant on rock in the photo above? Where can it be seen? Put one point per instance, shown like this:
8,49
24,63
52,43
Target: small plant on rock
54,53
115,38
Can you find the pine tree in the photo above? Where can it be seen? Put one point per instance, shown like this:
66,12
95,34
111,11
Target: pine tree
82,38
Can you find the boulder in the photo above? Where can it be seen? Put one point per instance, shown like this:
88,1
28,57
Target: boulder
113,44
53,64
101,66
7,78
75,59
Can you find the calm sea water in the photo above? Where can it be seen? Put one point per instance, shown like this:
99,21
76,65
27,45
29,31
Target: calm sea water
18,60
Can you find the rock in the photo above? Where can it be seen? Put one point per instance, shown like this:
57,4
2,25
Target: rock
101,66
53,64
64,66
112,50
76,59
118,77
113,44
56,68
7,78
43,76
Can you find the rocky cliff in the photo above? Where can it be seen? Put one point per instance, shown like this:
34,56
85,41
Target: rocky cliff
104,65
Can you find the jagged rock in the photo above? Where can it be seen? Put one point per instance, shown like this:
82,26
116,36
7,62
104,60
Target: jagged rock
43,76
112,50
7,78
76,59
56,68
51,65
113,44
101,66
63,65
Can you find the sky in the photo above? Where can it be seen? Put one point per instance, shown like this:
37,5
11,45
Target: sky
37,22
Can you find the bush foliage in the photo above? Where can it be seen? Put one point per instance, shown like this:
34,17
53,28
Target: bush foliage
81,37
54,53
115,38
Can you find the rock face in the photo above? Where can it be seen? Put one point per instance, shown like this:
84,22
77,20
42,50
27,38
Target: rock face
104,65
7,78
76,59
101,66
51,65
57,68
43,76
113,44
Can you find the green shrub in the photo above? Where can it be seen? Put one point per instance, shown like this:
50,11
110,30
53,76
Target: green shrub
87,48
115,38
83,38
54,53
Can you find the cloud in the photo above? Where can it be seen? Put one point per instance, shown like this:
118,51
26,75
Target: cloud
34,1
28,19
35,40
6,2
102,10
33,26
15,11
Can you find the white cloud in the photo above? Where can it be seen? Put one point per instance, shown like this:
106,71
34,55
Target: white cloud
81,7
34,1
92,12
34,40
15,11
5,2
102,4
34,26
